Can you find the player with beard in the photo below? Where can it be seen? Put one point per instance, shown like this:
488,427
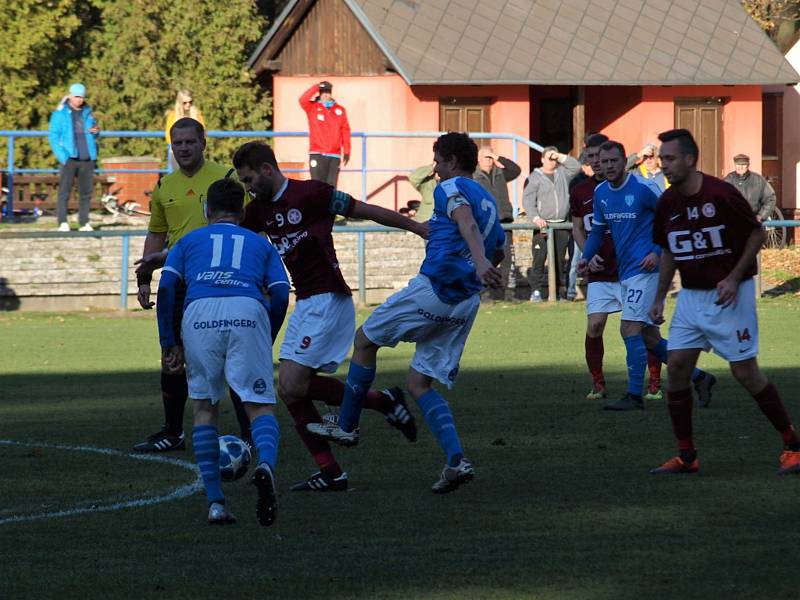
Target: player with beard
298,217
709,232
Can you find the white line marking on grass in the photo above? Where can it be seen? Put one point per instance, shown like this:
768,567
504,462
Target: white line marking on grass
176,494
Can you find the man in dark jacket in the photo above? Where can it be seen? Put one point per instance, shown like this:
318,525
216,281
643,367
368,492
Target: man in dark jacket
756,190
494,173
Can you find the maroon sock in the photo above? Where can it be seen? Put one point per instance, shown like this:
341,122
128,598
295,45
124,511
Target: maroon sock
770,403
305,412
654,369
331,391
594,358
680,411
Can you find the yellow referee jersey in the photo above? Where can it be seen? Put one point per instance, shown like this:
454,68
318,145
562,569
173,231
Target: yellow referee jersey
176,206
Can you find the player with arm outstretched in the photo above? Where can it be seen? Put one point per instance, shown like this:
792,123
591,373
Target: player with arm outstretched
298,217
228,329
709,232
436,310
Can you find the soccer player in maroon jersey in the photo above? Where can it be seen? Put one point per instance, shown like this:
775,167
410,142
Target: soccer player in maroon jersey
603,294
709,232
298,217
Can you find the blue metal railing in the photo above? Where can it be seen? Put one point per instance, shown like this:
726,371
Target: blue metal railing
13,135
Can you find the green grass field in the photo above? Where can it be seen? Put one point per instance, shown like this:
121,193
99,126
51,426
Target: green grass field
562,506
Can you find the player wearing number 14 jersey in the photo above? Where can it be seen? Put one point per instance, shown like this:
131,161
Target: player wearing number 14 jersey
298,217
708,231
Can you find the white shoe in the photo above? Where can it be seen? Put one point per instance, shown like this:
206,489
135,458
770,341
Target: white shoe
452,477
86,227
218,514
64,227
329,429
536,296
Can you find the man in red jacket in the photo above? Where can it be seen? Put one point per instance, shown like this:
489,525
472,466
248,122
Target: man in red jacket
328,132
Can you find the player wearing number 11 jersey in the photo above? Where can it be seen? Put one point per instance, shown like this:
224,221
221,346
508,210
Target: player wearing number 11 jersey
708,231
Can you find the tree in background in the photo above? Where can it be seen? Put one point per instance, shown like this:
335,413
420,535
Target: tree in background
779,18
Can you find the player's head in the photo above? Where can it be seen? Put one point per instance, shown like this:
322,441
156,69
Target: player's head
225,200
257,168
678,154
188,140
592,150
454,154
612,162
586,165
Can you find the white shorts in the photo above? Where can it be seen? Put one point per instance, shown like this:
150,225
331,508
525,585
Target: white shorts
440,330
638,293
699,323
320,332
603,297
227,342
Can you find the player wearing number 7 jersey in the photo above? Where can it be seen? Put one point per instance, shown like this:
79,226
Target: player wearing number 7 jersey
437,309
298,217
709,232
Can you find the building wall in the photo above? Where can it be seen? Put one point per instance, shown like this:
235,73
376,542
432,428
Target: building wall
387,104
791,138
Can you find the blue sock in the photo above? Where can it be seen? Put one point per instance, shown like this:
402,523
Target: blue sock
442,425
359,380
266,435
661,352
636,359
205,441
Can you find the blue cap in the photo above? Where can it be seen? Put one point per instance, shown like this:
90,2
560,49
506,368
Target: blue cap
77,89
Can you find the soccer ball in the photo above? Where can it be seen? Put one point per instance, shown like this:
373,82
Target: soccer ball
234,457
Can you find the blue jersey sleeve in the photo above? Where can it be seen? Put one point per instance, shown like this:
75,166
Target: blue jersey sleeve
165,309
650,197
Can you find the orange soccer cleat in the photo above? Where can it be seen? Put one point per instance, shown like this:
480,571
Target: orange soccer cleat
676,465
790,462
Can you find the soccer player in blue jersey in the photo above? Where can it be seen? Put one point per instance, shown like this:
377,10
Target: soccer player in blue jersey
626,206
228,329
436,310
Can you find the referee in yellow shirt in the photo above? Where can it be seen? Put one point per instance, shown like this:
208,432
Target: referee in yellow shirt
176,208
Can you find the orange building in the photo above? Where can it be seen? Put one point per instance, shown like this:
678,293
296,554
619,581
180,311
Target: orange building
547,72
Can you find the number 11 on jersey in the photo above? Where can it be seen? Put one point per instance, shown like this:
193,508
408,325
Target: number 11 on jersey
218,241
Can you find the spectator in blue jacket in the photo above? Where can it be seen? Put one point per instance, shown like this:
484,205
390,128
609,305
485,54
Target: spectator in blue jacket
72,133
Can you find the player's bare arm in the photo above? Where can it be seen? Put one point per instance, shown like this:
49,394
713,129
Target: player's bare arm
468,228
578,232
666,272
728,287
389,218
153,257
649,262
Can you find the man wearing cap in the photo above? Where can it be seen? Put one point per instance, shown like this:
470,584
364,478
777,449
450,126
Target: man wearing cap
72,134
756,190
328,132
644,166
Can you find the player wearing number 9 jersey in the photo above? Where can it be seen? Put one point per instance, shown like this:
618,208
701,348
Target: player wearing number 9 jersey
437,309
298,217
708,231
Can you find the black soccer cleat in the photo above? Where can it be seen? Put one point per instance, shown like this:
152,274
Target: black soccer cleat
627,402
703,388
161,441
400,417
320,482
267,503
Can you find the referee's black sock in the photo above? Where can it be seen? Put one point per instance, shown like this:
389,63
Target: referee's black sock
174,392
241,417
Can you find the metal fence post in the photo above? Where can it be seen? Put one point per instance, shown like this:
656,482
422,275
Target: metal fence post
552,284
10,198
123,272
362,275
514,186
364,168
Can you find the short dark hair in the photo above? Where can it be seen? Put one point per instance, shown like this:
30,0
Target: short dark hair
595,139
613,145
225,196
685,141
254,154
459,145
189,123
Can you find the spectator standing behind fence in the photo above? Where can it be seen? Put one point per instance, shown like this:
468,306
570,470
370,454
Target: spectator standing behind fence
328,132
424,180
184,108
546,200
72,134
645,167
494,173
755,189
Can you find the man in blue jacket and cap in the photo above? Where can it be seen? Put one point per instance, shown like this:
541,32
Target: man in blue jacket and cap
72,133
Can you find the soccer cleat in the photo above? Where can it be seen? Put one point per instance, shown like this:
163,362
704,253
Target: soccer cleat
452,477
161,441
598,392
329,430
653,393
320,482
219,515
400,417
790,462
627,402
703,389
676,465
267,503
